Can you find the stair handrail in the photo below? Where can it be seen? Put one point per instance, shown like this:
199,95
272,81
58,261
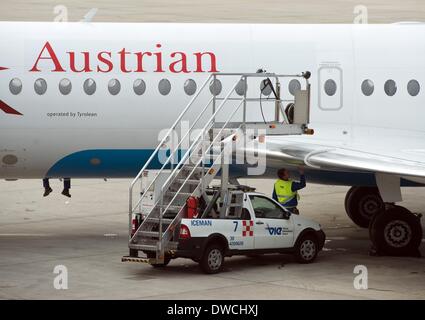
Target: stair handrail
172,152
198,163
181,163
204,129
160,145
184,158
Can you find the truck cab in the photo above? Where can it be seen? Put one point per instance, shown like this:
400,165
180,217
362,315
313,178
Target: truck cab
260,226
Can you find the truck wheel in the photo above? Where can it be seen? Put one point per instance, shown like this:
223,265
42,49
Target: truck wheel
306,249
212,260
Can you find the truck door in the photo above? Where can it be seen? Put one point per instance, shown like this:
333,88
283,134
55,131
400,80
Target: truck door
272,226
242,233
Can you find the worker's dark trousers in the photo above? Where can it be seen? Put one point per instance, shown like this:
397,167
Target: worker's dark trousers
46,184
67,183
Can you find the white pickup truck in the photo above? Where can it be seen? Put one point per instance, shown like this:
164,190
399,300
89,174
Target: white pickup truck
262,226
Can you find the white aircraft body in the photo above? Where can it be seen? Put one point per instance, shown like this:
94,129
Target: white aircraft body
87,100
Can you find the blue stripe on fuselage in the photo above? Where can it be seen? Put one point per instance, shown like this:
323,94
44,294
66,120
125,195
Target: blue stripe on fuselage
102,164
126,163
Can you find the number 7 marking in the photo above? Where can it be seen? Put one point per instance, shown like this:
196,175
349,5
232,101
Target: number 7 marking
236,225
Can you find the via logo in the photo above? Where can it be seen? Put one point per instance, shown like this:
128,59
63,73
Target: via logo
274,231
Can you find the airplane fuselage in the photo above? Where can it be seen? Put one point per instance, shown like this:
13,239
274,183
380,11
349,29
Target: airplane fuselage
88,100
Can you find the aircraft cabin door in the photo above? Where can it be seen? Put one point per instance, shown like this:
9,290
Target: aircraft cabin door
330,87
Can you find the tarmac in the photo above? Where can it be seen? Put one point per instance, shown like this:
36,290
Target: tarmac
88,235
245,11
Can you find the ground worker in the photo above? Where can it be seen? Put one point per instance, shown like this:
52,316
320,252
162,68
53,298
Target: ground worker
66,187
285,190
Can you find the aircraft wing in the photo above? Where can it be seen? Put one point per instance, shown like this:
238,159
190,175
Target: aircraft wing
357,158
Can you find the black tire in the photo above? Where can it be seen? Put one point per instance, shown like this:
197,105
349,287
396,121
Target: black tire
362,203
396,232
167,260
347,196
212,259
307,248
372,221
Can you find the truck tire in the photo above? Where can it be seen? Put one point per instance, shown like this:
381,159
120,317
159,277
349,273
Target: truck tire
212,259
307,248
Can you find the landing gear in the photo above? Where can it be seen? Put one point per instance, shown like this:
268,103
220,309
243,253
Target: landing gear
393,230
362,204
396,231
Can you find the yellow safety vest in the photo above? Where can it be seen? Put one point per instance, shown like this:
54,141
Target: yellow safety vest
284,191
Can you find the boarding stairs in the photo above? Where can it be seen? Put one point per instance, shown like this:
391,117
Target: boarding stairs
218,125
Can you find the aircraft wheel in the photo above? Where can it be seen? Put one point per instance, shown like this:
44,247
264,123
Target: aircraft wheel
396,232
362,203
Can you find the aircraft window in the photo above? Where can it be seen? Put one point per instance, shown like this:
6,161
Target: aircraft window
89,86
114,87
294,86
413,87
265,87
368,87
390,87
215,87
65,86
10,159
139,87
330,87
15,86
40,86
190,87
241,87
164,87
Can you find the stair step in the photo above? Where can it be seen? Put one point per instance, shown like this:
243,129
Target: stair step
190,167
146,241
156,220
189,181
171,208
179,194
145,247
148,233
171,245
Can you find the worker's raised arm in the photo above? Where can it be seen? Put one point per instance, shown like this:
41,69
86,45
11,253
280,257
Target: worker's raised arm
299,185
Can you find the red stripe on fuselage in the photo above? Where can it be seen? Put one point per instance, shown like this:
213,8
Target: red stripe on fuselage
8,109
3,68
